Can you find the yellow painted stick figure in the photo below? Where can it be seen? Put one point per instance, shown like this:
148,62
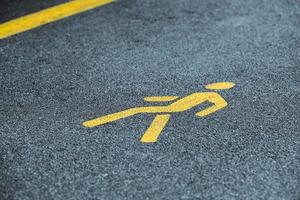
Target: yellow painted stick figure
164,112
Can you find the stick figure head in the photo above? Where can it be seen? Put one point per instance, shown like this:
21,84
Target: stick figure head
220,86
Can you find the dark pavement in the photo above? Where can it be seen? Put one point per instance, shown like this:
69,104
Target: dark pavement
108,59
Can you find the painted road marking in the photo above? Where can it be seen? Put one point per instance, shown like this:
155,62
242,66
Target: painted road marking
164,112
48,15
161,98
156,127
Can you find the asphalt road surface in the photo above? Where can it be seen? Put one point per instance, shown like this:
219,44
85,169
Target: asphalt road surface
108,59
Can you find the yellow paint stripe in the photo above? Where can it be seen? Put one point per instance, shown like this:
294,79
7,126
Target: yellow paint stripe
155,128
48,15
220,86
160,98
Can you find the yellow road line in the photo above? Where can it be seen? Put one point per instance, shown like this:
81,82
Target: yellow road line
160,98
48,15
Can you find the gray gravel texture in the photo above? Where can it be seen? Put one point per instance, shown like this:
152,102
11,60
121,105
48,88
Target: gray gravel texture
105,60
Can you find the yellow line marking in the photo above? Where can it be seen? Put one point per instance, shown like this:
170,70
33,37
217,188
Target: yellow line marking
160,98
48,15
155,128
220,86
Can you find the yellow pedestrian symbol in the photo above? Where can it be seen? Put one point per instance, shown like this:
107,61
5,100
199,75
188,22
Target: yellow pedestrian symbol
163,113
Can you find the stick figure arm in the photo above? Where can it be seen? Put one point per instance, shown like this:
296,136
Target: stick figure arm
218,102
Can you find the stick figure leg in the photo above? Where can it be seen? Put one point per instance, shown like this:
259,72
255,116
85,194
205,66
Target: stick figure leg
155,128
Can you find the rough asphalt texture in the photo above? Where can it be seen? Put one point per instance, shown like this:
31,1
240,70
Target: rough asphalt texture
57,76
